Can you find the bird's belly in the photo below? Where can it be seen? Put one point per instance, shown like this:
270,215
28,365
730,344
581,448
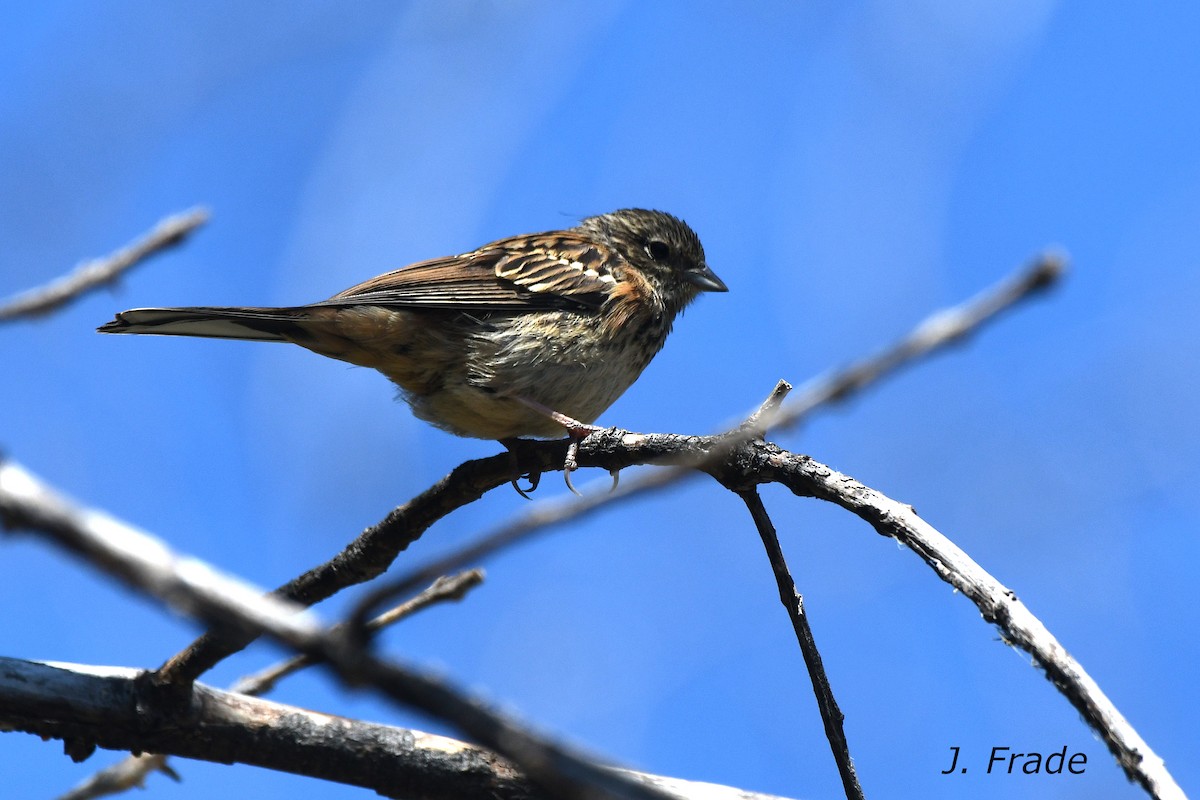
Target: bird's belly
520,361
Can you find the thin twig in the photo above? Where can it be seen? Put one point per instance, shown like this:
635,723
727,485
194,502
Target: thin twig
938,331
444,589
763,417
128,773
90,275
831,715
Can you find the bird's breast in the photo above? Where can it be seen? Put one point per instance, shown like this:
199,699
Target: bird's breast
564,361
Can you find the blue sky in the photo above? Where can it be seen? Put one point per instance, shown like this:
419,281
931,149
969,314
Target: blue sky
850,167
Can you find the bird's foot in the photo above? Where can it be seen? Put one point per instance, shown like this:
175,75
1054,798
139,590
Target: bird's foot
576,431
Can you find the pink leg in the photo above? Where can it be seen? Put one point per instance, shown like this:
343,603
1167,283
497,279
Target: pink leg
575,428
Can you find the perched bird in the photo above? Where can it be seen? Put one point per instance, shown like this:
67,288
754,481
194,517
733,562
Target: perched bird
525,337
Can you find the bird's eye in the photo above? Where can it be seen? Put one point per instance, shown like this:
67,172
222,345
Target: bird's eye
658,250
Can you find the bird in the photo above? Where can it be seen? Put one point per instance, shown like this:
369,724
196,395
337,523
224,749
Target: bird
524,337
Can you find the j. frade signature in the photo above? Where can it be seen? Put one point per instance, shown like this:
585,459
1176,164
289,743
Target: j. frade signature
1004,760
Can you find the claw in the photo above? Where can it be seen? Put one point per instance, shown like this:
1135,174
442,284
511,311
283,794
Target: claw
616,478
534,479
571,464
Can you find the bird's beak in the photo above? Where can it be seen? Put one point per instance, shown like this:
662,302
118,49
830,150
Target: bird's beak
705,280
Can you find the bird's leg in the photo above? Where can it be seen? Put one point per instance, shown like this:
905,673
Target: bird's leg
534,477
576,431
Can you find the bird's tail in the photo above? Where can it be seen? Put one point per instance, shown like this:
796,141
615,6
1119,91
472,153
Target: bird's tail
259,324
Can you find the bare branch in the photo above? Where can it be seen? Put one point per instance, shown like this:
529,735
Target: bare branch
136,558
763,462
745,464
90,275
131,772
101,705
128,773
936,332
196,589
369,555
831,715
764,416
443,589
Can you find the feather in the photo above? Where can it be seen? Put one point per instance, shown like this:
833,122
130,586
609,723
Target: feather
541,273
258,324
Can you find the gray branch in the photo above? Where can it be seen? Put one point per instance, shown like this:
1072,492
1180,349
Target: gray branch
831,714
105,706
132,771
198,590
90,275
26,504
740,464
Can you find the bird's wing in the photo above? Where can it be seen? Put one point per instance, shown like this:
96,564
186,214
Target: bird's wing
560,270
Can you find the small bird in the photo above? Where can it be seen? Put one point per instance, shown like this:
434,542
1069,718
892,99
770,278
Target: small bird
524,337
